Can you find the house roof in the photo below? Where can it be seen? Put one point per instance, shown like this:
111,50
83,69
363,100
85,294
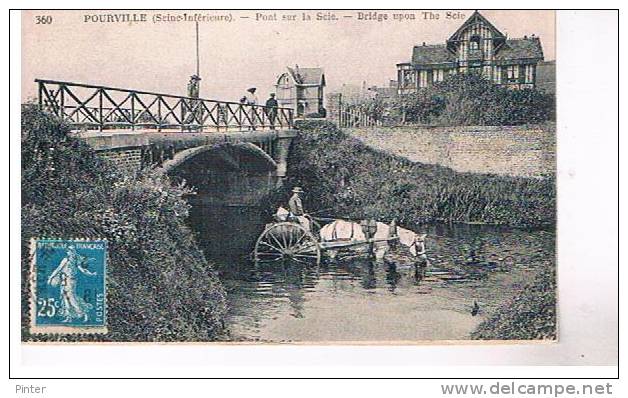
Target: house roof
476,17
524,48
432,54
314,76
528,47
505,49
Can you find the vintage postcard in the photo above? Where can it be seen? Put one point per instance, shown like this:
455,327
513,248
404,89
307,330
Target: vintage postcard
289,176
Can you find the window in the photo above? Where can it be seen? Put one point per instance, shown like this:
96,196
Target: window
529,73
512,72
409,78
487,49
497,74
438,75
486,72
462,52
474,44
423,78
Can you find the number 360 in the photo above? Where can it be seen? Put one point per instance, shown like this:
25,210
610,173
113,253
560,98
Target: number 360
43,19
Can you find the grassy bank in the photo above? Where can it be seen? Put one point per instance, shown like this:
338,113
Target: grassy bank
160,287
529,315
357,181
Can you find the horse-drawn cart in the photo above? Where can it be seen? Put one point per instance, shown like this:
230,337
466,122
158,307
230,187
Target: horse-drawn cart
291,240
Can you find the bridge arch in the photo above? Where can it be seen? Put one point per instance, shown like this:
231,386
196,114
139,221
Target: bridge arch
232,185
186,155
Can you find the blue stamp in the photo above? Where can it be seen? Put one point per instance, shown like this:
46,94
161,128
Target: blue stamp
68,286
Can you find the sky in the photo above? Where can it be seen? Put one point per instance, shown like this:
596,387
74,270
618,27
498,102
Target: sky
161,56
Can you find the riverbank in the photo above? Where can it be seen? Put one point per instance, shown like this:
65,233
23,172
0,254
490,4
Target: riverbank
159,285
530,314
357,181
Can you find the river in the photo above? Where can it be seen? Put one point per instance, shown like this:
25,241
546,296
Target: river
359,300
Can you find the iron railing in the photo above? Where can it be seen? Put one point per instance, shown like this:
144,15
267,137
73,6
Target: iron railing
89,107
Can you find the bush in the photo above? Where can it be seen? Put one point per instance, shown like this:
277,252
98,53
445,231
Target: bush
469,99
356,181
160,287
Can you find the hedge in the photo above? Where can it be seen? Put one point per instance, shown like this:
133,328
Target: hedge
160,287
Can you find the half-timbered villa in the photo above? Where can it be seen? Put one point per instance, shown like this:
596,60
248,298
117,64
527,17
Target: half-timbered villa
476,47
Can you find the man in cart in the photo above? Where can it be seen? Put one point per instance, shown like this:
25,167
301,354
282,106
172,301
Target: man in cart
295,205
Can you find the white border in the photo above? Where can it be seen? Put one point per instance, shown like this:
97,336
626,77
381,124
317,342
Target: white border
587,248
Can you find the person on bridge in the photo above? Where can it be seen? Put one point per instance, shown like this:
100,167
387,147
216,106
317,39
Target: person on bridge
271,110
194,115
194,86
250,99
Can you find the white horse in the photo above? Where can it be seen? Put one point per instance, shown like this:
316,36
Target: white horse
349,231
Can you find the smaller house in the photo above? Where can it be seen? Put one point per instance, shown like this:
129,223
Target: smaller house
302,89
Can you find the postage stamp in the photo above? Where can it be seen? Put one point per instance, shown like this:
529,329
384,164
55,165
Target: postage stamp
68,286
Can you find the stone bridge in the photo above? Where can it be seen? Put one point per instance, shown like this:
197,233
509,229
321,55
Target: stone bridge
230,151
166,151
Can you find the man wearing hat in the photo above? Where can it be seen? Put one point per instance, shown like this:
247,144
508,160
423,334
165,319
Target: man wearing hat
271,110
194,86
194,115
295,204
296,209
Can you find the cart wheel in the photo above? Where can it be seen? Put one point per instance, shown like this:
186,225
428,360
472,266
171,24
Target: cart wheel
287,240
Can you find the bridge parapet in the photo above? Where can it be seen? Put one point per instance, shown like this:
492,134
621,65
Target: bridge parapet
165,150
89,107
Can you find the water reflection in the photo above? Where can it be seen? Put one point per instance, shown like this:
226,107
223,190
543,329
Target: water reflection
360,299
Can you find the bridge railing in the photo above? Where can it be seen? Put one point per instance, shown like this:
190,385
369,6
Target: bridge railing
89,107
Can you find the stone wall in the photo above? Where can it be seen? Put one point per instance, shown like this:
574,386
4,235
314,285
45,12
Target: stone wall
127,158
525,151
122,148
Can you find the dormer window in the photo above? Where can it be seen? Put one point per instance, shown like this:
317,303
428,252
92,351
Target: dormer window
474,43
